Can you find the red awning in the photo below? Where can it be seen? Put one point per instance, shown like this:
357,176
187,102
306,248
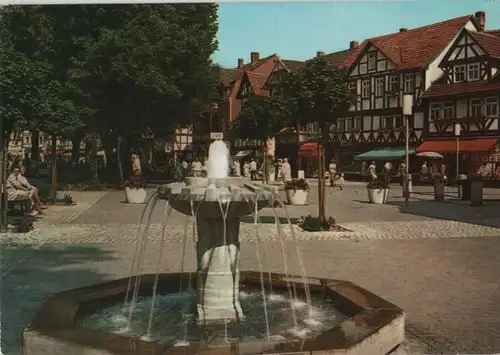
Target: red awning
465,145
308,150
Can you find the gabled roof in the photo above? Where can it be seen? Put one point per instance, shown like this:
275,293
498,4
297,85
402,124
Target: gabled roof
413,48
256,82
493,32
229,75
293,65
457,89
338,59
489,43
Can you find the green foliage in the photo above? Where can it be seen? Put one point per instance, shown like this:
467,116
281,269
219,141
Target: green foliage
296,184
136,182
68,200
261,117
316,224
382,181
318,93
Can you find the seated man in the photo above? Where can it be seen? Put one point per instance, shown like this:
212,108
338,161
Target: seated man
36,196
15,190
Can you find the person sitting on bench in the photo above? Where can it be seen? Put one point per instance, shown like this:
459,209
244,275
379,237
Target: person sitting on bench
36,195
15,190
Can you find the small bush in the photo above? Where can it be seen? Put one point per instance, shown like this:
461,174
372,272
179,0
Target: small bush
315,224
382,181
68,200
135,182
297,184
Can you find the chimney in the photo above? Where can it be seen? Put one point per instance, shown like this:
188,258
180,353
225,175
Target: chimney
481,18
320,53
353,44
254,57
403,29
241,63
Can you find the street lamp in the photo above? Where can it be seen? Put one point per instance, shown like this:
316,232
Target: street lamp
457,131
407,112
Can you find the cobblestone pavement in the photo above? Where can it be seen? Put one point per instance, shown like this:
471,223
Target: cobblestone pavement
443,272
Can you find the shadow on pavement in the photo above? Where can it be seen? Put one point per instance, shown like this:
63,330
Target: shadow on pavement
31,273
485,215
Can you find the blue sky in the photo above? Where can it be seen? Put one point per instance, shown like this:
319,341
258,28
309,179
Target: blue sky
297,30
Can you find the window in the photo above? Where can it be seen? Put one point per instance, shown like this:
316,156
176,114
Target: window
357,122
435,112
473,71
448,110
341,124
372,60
388,122
365,89
408,83
491,107
379,86
394,84
476,108
459,73
349,123
398,122
353,88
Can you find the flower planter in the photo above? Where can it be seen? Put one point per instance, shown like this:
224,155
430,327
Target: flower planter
378,196
296,197
133,195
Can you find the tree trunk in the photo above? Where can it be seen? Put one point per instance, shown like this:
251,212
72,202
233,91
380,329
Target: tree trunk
94,169
53,187
297,133
76,141
4,143
264,168
119,158
321,185
35,145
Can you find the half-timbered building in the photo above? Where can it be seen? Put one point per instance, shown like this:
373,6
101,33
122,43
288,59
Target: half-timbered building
382,70
466,95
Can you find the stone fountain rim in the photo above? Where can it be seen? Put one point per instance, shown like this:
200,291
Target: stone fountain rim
58,314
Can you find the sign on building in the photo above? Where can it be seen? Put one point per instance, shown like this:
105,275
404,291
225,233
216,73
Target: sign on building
216,135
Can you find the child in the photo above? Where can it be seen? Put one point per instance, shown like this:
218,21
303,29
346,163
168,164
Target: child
339,181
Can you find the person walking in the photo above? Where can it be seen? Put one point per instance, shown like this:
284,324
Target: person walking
286,170
253,169
332,170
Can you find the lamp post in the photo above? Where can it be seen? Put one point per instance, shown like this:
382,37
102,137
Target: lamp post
457,130
407,112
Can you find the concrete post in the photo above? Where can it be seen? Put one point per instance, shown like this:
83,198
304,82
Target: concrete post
476,193
438,189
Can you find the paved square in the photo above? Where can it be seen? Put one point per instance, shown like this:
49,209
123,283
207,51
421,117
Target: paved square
438,261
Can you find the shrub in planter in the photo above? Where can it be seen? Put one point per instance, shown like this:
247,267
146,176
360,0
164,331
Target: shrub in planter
378,189
296,191
135,189
315,224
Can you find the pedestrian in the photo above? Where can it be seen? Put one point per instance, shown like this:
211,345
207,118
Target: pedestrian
286,170
253,169
332,170
372,170
364,166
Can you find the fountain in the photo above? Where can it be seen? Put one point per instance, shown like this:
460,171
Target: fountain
219,309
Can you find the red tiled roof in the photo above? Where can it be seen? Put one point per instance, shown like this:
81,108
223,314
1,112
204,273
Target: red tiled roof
337,59
257,81
293,65
437,90
227,76
493,32
489,42
466,145
413,48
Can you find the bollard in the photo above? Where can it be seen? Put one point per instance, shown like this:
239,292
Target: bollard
476,193
438,189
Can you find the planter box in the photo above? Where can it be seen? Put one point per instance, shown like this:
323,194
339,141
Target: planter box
378,196
133,195
296,197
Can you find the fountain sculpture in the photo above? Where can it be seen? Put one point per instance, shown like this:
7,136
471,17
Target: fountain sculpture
230,312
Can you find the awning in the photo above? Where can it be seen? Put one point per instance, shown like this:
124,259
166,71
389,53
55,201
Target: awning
308,150
465,145
242,154
384,154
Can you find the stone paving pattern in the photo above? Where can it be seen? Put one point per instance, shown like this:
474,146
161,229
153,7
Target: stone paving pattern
438,261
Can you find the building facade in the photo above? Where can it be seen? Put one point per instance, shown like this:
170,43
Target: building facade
384,69
462,107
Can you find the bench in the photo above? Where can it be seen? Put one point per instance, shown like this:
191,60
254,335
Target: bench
17,214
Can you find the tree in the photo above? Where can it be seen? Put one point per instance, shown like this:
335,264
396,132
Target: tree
260,118
319,93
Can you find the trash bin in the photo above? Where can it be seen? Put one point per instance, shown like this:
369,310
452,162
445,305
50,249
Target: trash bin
464,186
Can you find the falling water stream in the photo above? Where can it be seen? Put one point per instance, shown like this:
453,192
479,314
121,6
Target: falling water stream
169,319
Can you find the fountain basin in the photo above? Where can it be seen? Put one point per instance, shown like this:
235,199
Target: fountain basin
372,325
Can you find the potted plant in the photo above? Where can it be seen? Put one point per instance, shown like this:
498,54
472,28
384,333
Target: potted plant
135,189
378,190
296,191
